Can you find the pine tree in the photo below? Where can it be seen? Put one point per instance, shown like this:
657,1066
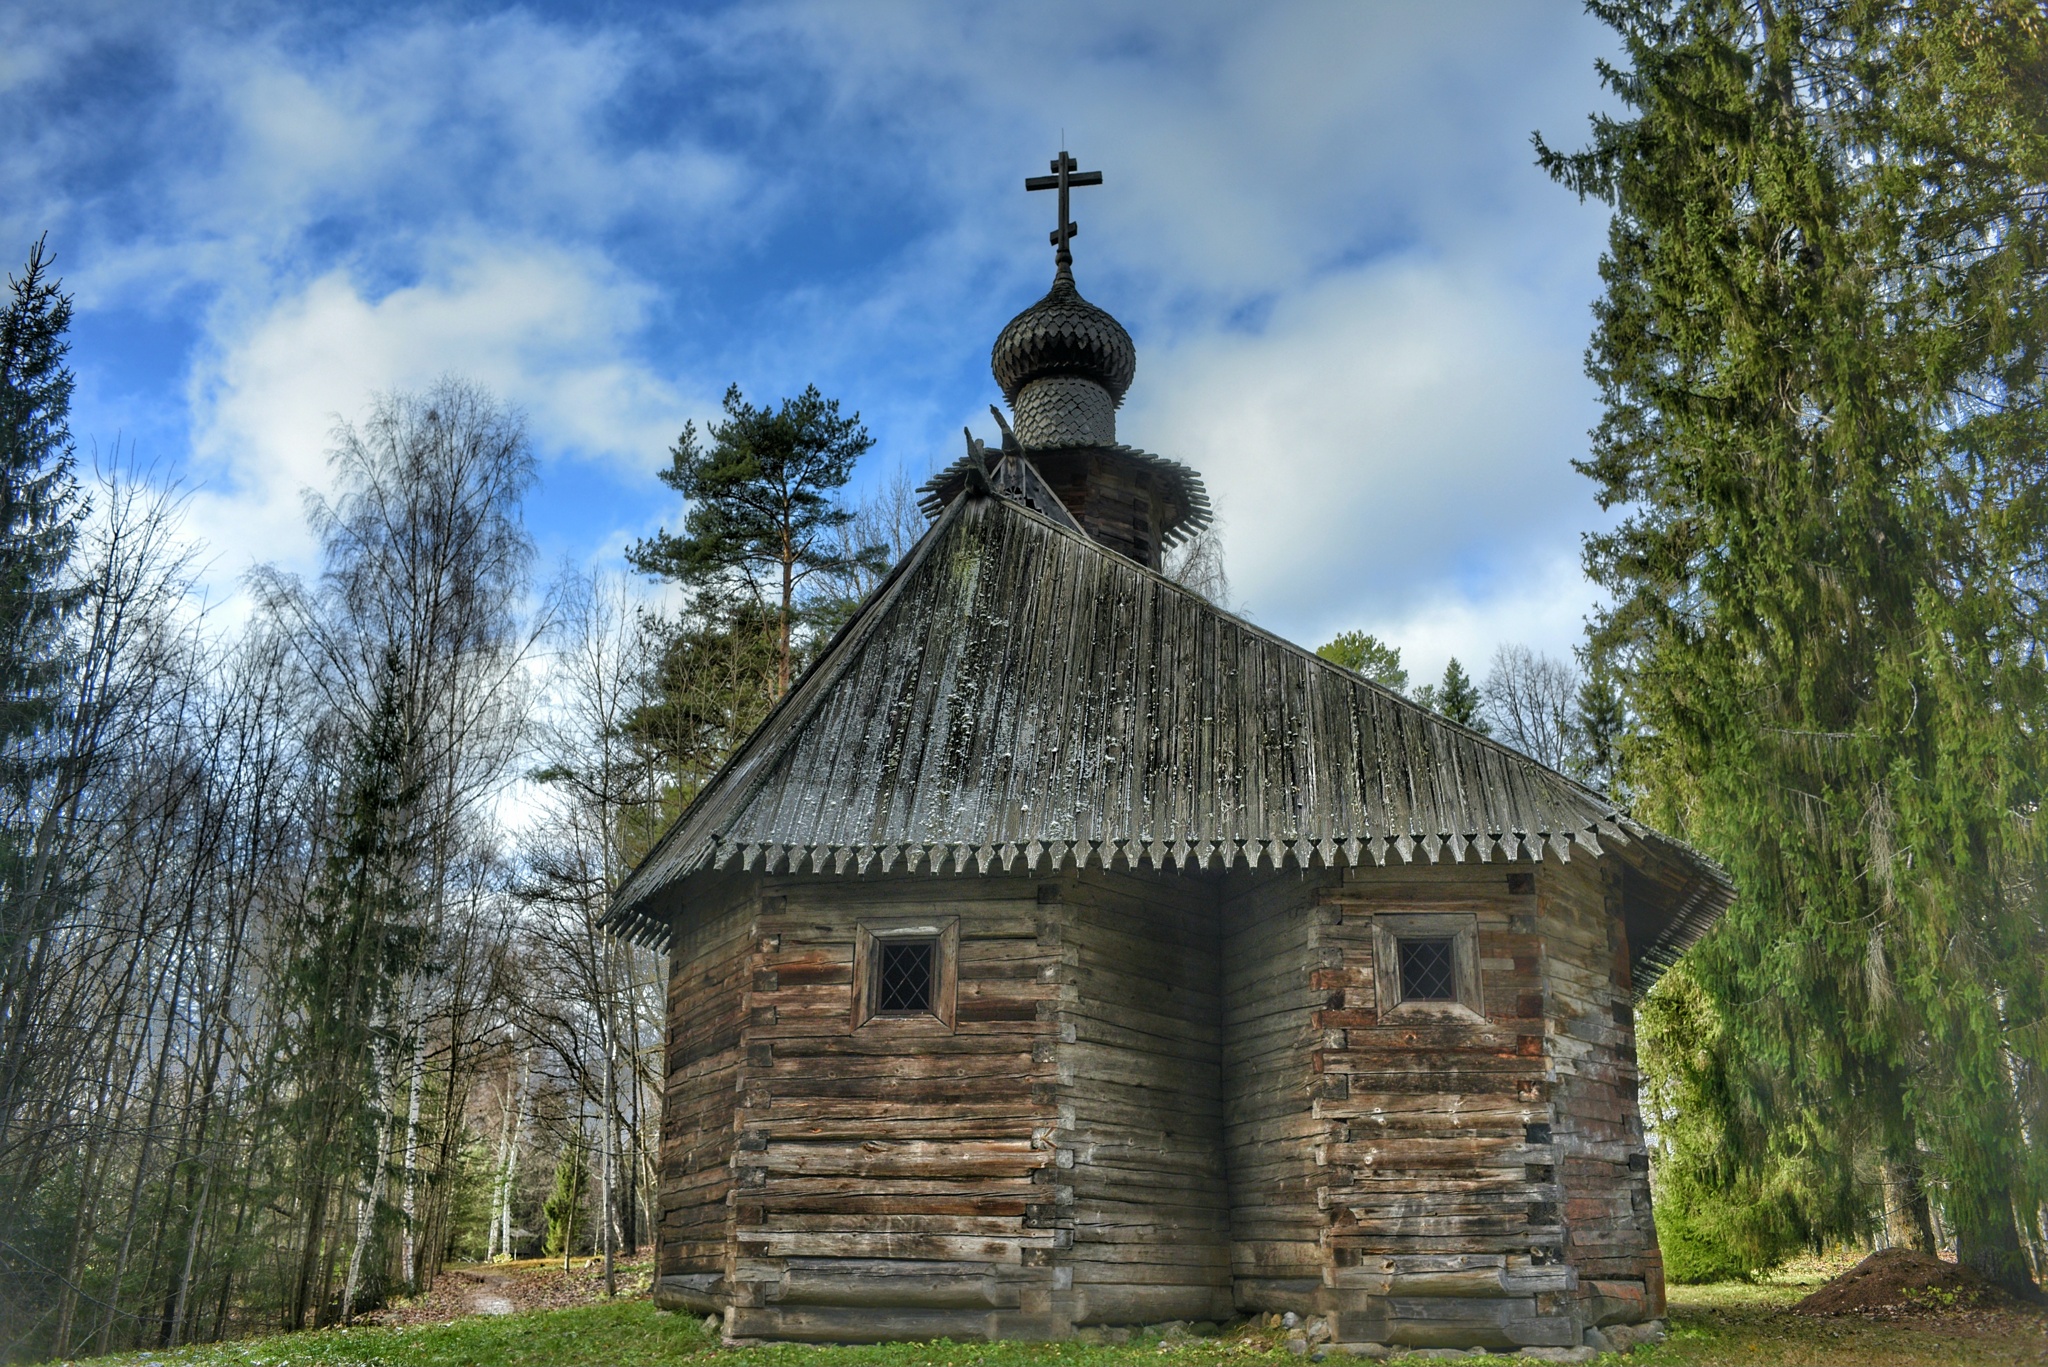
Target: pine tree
1363,653
40,512
712,682
1821,350
762,520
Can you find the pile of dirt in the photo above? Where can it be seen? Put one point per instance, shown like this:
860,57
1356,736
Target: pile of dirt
1900,1279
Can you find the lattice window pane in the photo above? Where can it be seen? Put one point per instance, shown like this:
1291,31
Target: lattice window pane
903,978
1428,971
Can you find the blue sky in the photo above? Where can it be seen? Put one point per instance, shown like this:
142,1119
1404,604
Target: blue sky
1359,307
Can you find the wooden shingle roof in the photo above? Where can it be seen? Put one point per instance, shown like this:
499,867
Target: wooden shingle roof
1016,696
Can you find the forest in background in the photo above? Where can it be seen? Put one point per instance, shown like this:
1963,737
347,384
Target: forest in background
1822,355
303,987
303,990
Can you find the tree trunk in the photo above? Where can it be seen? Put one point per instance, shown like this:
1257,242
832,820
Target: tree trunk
782,670
605,1208
366,1223
1908,1223
409,1146
509,1181
309,1256
1988,1237
183,1294
142,1157
498,1178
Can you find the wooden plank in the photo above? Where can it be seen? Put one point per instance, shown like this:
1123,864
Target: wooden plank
904,1158
1005,1251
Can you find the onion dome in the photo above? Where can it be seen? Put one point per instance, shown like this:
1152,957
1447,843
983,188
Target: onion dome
1064,336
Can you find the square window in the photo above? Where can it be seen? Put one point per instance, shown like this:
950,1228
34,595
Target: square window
1428,971
1426,966
904,977
906,973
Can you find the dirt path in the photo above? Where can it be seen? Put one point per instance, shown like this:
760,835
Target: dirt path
489,1297
508,1288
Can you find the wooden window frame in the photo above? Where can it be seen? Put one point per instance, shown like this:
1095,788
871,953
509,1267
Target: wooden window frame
1461,928
944,933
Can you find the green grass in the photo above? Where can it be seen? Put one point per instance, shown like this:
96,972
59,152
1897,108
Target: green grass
1711,1325
626,1332
1753,1326
635,1334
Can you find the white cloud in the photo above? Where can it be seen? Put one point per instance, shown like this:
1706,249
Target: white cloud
548,329
1245,150
1395,438
1544,608
273,148
1358,305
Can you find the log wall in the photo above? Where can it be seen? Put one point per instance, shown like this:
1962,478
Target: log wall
1162,1096
1141,1099
709,949
1603,1162
893,1180
1436,1176
1271,1128
1439,1166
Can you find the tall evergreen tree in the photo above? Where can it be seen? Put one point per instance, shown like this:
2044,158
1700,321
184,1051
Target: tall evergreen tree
762,517
357,940
1598,730
40,513
1457,697
39,508
1821,352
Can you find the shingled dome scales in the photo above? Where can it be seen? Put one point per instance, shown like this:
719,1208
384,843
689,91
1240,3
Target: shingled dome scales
1064,952
1064,365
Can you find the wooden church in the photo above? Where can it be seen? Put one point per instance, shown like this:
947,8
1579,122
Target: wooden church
1064,951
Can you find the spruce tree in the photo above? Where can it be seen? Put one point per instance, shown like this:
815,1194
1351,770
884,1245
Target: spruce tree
354,945
1820,350
565,1201
1601,723
762,519
1456,697
40,511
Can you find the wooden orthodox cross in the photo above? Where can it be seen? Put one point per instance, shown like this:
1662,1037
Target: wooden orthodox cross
1066,174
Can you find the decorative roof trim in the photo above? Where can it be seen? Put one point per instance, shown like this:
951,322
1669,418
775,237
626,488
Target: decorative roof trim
1188,490
1701,906
1416,767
